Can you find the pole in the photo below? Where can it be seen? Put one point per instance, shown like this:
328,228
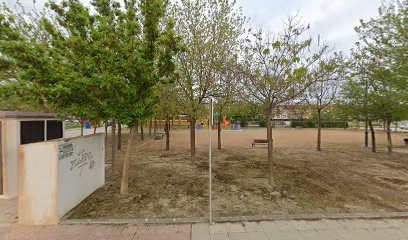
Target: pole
209,159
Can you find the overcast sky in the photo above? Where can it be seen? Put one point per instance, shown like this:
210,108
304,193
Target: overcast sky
334,20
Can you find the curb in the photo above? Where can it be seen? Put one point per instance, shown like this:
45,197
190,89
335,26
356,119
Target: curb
308,217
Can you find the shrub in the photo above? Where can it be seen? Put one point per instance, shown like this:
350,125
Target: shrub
262,123
309,123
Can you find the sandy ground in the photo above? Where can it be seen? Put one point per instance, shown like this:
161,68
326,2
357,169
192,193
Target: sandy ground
283,138
344,177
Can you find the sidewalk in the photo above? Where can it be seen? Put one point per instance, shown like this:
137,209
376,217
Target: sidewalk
96,232
389,229
399,150
8,212
77,131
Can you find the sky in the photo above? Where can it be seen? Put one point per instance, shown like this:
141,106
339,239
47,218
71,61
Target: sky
333,20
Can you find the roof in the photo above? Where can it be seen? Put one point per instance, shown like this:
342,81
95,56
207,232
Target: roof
7,114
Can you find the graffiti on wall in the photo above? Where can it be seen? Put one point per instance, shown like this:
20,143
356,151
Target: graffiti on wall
83,159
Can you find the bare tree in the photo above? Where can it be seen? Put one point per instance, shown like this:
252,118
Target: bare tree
226,94
168,108
208,28
277,69
323,91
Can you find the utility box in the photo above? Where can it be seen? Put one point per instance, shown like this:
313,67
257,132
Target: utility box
19,128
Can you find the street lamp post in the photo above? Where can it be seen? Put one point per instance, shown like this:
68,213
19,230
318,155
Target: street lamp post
210,123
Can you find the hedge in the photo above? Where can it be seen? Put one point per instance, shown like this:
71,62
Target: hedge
313,124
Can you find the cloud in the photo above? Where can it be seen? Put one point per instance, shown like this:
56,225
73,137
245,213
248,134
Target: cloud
334,20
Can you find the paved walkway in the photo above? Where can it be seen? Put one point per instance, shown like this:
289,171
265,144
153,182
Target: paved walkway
77,131
387,229
400,150
8,211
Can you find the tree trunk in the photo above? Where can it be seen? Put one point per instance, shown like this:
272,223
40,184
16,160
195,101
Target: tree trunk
95,129
319,130
82,128
155,125
150,127
366,133
124,184
270,147
106,130
119,136
113,145
389,140
192,137
219,132
141,132
137,127
167,130
373,142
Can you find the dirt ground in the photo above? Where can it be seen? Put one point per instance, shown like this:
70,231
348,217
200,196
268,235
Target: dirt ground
344,177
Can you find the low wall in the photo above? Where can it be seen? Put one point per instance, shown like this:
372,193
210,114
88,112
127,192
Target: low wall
55,176
10,142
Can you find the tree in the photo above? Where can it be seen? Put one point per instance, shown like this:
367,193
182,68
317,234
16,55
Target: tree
277,69
327,75
210,29
381,60
104,63
243,110
147,59
227,91
167,108
25,64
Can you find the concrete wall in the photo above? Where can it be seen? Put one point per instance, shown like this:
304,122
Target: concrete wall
38,184
81,170
10,147
10,142
55,176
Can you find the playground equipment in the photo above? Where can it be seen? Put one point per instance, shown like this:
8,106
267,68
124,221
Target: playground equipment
227,125
226,122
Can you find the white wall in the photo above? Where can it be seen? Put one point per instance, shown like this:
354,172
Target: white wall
11,142
81,170
37,201
55,176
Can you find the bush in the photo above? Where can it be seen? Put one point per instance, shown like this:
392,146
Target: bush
335,124
309,123
244,123
262,123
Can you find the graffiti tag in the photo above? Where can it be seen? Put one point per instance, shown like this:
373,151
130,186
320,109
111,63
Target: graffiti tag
66,150
83,158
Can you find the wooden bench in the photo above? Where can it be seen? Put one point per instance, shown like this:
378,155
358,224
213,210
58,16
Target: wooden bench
259,141
158,135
